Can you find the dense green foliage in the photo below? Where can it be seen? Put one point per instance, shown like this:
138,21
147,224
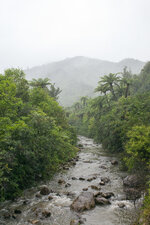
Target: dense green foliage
119,118
35,137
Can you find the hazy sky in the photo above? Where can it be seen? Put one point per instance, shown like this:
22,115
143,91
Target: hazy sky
34,32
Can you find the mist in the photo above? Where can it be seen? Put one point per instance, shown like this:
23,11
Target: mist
37,32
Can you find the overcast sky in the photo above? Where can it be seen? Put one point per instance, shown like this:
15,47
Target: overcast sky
34,32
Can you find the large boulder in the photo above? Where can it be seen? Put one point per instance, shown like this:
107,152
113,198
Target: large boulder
84,201
132,181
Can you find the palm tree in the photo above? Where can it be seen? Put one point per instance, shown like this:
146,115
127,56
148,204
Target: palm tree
126,80
110,80
43,83
84,100
77,106
54,92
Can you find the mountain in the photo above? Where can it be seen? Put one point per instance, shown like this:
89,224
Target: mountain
78,76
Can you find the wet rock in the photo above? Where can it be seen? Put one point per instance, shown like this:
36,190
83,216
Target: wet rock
95,187
105,179
67,185
65,168
37,222
17,211
132,194
6,215
91,178
84,201
107,195
74,178
70,194
46,213
85,189
98,193
61,181
50,197
121,205
14,216
114,162
87,161
102,201
81,178
103,167
44,190
132,181
102,183
77,221
74,222
38,195
25,202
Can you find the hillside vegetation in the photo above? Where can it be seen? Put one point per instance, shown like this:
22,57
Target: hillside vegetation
35,137
119,118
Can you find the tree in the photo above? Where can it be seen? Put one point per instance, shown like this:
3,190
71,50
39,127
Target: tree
84,100
42,83
126,80
22,86
54,92
109,81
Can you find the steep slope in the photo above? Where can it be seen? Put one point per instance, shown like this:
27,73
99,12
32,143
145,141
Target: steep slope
78,76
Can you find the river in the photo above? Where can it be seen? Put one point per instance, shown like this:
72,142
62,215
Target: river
93,161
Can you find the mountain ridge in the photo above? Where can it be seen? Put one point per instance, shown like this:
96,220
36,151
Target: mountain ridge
78,76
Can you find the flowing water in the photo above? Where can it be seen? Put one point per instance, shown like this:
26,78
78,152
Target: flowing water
93,161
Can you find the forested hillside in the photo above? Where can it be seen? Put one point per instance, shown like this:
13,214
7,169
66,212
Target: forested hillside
80,73
119,118
35,137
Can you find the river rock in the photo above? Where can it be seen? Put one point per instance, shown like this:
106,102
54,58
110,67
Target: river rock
38,195
132,194
85,189
95,187
6,215
114,162
98,193
102,201
77,221
50,197
103,167
132,181
105,179
61,181
84,201
67,185
121,205
87,161
91,178
17,211
102,183
81,178
74,178
65,168
107,195
34,222
46,213
44,190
